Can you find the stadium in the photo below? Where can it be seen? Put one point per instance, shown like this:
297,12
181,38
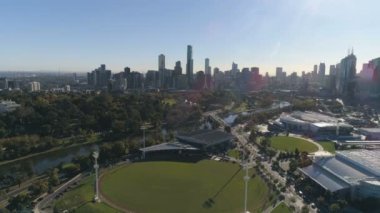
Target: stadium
313,124
353,172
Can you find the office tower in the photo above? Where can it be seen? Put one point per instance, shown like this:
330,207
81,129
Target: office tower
177,68
189,65
161,62
280,74
207,67
315,70
161,70
207,74
3,83
346,83
99,77
216,71
332,70
176,73
322,69
234,69
127,71
255,71
34,86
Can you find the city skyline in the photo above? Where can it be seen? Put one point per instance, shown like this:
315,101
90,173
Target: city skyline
70,37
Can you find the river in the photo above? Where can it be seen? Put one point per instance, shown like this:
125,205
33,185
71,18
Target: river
39,164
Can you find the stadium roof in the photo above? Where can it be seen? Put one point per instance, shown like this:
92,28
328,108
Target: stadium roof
324,178
313,117
367,159
205,137
343,170
347,169
168,147
370,130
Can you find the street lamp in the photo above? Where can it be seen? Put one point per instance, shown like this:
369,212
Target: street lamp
96,167
143,128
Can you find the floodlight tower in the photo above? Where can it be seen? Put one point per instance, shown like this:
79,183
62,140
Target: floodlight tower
96,167
143,128
337,129
246,179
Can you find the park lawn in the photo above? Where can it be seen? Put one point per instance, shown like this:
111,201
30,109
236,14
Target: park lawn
169,101
183,187
282,208
234,153
285,143
328,146
80,198
241,108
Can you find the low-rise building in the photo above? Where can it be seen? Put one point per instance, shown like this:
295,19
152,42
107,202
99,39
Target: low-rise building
313,123
370,133
8,106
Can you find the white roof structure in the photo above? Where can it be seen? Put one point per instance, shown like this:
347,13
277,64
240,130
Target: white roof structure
349,168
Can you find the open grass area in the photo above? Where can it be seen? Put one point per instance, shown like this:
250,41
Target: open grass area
169,101
285,143
80,199
205,186
282,208
328,146
241,108
234,153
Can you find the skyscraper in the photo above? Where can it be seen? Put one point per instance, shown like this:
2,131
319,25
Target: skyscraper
322,69
278,73
346,83
161,62
189,65
177,68
161,69
207,67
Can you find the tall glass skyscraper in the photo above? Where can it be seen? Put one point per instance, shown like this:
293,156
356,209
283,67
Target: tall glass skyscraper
189,65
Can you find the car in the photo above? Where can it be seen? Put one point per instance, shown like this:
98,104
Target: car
312,205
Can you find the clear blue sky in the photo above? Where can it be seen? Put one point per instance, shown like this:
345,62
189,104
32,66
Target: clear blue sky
78,35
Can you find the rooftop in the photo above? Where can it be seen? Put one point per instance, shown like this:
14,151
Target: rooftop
347,169
370,130
168,146
369,159
205,137
313,117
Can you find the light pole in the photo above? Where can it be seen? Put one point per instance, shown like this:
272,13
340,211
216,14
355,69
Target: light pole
337,129
245,165
96,167
143,128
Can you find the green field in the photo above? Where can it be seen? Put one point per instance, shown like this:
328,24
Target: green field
206,186
328,146
80,199
234,153
282,208
169,101
284,143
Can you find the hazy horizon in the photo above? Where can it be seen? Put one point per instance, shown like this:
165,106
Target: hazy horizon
78,36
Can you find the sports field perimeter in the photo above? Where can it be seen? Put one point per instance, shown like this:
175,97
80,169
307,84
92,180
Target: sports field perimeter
285,143
205,186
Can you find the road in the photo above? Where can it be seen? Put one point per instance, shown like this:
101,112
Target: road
38,208
242,141
15,190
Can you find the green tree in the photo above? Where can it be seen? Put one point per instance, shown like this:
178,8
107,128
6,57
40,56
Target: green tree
335,208
19,203
39,188
54,177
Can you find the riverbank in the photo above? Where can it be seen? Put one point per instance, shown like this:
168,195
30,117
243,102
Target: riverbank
55,149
